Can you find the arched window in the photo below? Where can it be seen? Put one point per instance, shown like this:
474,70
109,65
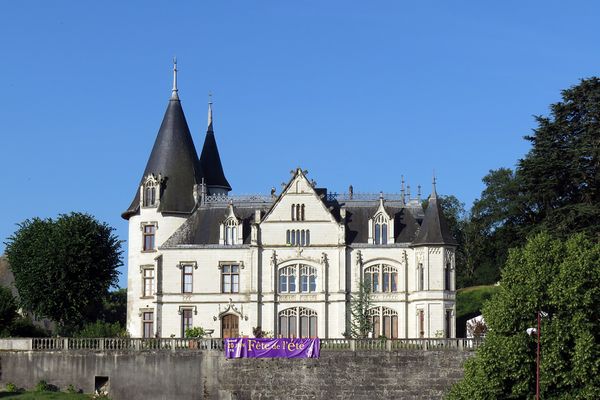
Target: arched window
287,279
231,227
380,229
308,279
381,278
290,326
372,278
390,279
384,322
297,212
150,191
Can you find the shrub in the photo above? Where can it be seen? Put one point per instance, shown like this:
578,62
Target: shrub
100,329
24,327
11,388
42,386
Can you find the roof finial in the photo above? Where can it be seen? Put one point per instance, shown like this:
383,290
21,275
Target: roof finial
433,191
174,95
402,191
210,119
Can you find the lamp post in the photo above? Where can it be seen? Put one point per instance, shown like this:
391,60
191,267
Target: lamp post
538,331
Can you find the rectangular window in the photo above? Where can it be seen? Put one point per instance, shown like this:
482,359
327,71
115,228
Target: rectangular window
421,323
187,278
448,323
421,278
149,237
148,289
186,321
230,278
148,324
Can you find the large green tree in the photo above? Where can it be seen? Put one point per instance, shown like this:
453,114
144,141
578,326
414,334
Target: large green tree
562,279
64,267
555,187
560,175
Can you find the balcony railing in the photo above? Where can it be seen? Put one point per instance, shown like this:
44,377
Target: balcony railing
172,344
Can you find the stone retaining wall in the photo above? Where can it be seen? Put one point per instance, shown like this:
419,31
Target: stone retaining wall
132,375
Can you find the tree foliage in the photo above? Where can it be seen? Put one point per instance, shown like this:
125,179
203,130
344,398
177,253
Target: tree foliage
63,268
8,310
360,323
561,278
554,188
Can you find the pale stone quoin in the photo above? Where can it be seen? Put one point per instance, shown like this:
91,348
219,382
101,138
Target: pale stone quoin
287,262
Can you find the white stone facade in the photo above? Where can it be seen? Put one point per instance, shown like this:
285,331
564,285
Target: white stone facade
414,295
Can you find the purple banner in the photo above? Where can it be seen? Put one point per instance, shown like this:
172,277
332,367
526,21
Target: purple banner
272,348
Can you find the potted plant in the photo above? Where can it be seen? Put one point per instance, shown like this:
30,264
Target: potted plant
196,333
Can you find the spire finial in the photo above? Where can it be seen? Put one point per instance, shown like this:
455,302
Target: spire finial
433,190
174,95
210,119
402,191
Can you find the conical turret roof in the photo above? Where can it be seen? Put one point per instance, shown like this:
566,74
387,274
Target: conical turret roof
174,157
434,229
210,161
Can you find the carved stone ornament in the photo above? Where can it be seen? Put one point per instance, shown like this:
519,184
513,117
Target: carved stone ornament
420,256
274,258
434,250
359,259
324,259
230,308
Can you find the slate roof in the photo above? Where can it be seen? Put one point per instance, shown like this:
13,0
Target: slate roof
357,222
202,227
434,229
173,156
211,162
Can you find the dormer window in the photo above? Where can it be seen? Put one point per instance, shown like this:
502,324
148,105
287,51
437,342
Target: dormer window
230,231
381,225
380,229
150,191
231,227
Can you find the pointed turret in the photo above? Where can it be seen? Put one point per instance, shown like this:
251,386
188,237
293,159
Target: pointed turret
434,229
175,159
211,161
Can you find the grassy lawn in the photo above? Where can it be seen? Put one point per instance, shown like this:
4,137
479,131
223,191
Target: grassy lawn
469,302
43,395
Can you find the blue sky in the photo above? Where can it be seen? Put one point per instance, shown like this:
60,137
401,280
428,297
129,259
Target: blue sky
356,92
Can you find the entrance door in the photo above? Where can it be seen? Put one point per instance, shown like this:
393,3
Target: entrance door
230,326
